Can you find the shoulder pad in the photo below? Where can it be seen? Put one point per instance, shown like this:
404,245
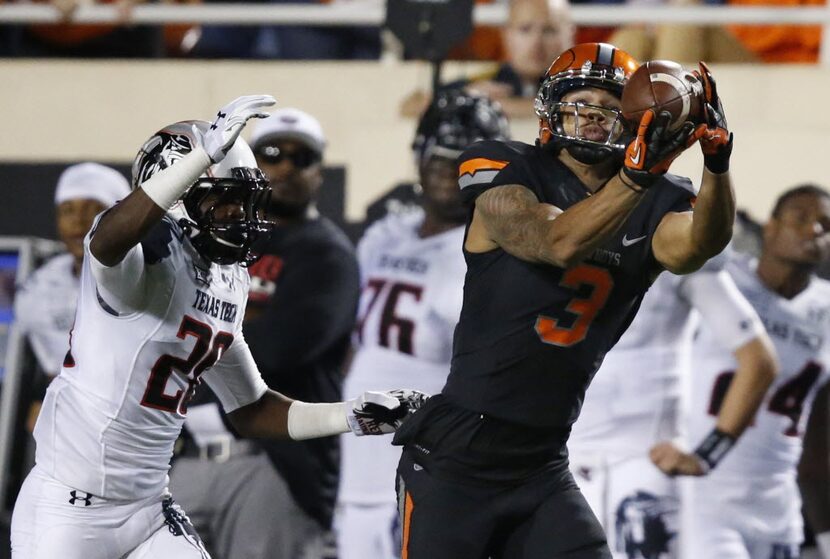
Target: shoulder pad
490,163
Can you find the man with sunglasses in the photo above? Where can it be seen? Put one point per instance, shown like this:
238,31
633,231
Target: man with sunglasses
301,310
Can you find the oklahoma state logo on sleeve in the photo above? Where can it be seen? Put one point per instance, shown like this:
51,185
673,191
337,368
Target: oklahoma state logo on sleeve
479,171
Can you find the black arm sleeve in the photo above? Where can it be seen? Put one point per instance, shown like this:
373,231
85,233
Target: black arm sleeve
313,308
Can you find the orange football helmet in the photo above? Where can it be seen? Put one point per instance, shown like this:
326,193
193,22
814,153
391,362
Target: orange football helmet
597,65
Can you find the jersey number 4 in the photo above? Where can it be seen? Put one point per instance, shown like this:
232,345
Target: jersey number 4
585,309
787,400
206,351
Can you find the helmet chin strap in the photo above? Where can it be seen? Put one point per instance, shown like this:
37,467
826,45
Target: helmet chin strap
589,155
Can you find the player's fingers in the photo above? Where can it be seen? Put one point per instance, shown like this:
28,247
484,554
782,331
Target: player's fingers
661,125
645,124
709,88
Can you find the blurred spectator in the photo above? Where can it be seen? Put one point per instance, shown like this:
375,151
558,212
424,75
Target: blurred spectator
289,42
780,43
90,41
301,310
485,43
683,43
536,31
45,304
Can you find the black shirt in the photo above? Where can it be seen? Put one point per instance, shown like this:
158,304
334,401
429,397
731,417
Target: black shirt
304,293
531,336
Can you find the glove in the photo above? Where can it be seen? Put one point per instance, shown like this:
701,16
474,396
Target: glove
652,151
229,122
379,413
716,143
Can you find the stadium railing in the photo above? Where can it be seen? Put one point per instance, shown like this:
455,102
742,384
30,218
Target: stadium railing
371,13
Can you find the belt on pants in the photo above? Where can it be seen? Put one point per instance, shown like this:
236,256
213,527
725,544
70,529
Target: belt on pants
220,449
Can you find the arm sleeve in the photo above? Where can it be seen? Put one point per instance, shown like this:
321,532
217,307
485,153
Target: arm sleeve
122,286
723,308
235,378
313,308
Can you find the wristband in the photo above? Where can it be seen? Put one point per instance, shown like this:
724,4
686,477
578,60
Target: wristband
718,163
639,189
310,421
167,186
643,179
713,448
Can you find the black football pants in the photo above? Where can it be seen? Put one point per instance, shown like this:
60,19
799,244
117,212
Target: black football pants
544,518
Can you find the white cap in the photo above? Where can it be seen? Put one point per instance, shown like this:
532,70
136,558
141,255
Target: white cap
91,181
289,124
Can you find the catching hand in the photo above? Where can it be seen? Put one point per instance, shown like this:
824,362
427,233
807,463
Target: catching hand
379,413
229,122
652,151
674,462
716,143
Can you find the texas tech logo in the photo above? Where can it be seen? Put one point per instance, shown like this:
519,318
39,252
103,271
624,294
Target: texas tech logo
160,152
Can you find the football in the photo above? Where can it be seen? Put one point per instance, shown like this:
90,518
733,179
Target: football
663,85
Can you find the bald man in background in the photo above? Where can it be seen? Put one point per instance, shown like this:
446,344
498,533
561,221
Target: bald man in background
536,31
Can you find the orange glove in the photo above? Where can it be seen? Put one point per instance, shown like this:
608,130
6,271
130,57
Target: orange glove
652,151
716,143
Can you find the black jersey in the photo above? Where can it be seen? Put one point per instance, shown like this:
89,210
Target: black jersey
531,336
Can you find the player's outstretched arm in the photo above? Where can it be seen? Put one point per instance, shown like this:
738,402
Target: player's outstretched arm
121,228
373,413
684,241
512,218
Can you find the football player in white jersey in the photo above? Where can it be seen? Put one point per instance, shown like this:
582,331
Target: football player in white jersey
749,507
160,309
412,275
635,403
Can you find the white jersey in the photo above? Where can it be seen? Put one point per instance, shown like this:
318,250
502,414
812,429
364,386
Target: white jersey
147,331
634,400
759,473
412,290
44,309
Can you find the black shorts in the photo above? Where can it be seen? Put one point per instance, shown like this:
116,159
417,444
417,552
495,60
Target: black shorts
544,517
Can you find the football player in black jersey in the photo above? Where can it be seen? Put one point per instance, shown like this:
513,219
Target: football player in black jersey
563,239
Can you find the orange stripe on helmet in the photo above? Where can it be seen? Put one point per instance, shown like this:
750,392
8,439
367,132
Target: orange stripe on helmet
481,164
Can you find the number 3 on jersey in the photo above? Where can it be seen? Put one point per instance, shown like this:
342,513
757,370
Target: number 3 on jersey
585,309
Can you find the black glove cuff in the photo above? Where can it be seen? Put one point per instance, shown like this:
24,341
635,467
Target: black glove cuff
719,163
714,447
643,179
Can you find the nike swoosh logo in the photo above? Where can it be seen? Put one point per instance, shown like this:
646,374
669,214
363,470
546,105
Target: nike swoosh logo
635,157
626,242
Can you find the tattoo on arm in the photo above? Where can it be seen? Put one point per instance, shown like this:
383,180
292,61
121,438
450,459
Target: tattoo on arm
514,219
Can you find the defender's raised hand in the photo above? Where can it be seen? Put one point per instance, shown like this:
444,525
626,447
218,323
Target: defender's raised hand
229,122
716,143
